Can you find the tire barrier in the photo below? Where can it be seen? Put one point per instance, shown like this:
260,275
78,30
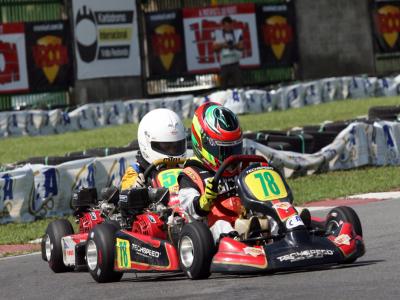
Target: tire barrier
389,113
37,190
240,101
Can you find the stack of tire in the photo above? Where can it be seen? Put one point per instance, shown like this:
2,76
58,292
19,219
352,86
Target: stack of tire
386,113
308,139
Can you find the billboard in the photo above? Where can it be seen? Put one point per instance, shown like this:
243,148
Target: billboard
106,38
165,43
276,30
202,27
48,55
13,71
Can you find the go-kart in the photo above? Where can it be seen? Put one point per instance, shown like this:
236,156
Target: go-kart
64,250
171,241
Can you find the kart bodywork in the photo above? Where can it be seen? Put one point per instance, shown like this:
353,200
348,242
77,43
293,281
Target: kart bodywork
181,243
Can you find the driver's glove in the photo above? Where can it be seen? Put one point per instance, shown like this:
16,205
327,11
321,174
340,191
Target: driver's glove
210,194
140,181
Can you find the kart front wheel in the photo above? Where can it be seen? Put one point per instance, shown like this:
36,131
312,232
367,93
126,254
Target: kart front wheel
342,214
52,248
100,251
196,250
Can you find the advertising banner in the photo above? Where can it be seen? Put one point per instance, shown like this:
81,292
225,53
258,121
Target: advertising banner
13,71
386,25
276,34
202,27
48,55
165,44
106,38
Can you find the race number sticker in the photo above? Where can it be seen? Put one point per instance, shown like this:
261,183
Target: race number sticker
266,185
123,254
169,179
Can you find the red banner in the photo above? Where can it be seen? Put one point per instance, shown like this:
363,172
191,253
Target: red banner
13,71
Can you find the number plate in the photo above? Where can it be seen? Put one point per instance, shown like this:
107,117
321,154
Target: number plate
266,185
169,178
123,254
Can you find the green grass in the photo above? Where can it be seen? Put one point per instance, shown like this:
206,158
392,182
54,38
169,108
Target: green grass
344,183
19,233
20,148
305,189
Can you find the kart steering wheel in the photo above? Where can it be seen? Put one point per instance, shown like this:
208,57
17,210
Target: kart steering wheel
168,161
234,159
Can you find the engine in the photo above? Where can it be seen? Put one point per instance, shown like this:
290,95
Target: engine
149,224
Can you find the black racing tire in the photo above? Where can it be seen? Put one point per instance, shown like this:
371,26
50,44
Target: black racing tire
196,250
321,139
43,247
54,232
283,146
344,214
101,244
390,113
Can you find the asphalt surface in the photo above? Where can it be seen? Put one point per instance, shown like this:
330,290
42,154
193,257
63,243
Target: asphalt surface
374,276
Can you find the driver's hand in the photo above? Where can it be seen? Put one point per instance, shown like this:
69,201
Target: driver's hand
210,194
140,181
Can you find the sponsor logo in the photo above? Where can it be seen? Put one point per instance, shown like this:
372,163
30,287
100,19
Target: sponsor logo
282,205
145,251
9,66
343,239
305,254
277,33
253,251
49,55
151,219
293,222
93,215
388,19
109,32
166,43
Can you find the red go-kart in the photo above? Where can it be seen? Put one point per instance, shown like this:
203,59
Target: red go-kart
167,240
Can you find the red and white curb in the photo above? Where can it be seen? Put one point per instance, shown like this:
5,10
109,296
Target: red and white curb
351,200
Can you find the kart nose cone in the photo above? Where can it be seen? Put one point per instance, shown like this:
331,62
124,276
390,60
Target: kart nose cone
48,247
91,255
186,252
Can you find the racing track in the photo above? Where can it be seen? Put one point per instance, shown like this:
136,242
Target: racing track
374,276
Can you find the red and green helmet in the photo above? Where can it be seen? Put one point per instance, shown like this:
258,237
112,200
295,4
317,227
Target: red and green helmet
216,134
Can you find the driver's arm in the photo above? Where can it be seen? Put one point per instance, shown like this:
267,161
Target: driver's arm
131,177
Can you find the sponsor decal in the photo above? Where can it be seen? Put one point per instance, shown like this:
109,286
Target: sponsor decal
343,239
282,205
305,254
294,221
93,215
151,219
145,251
389,23
253,251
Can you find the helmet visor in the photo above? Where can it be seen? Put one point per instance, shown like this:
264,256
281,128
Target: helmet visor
176,148
222,151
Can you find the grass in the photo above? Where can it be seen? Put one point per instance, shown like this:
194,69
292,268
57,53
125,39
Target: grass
20,148
19,233
305,189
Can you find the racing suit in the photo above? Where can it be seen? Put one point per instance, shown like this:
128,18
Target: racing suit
133,176
192,181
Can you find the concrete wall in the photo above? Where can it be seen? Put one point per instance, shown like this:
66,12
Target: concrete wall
334,38
98,90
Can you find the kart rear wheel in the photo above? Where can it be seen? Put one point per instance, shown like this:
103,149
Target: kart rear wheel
343,214
196,250
52,244
100,251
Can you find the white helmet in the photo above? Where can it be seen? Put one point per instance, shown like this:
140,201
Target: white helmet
161,134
